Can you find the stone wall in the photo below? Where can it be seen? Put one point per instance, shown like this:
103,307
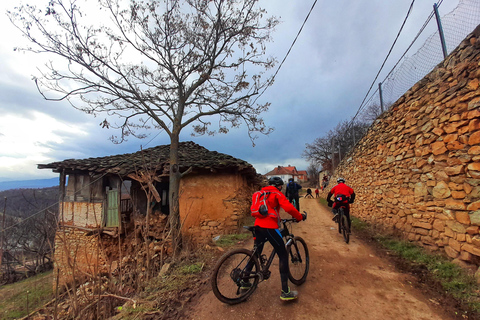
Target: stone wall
78,256
417,170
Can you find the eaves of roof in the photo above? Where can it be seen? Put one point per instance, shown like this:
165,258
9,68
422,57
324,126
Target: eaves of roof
191,155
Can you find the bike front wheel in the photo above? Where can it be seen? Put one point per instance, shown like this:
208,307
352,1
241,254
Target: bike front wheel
235,276
298,261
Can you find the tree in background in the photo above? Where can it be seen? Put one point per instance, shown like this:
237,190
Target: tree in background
155,64
329,150
313,170
30,225
371,113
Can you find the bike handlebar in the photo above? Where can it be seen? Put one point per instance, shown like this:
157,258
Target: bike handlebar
293,219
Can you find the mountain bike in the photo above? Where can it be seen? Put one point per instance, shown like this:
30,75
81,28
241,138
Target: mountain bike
239,267
342,221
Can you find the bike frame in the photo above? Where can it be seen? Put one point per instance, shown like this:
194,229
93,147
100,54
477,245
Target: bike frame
265,265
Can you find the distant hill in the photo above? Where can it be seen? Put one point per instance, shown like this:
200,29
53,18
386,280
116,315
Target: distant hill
23,202
28,184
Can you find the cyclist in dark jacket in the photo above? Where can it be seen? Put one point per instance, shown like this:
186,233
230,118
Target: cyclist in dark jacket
267,229
291,192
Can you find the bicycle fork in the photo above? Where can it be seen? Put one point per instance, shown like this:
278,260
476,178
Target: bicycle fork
294,255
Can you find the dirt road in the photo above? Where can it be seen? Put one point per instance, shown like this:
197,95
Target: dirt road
346,281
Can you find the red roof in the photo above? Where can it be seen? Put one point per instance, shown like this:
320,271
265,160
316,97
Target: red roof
283,170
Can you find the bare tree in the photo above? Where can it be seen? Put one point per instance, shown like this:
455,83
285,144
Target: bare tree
320,151
371,113
329,150
313,170
164,64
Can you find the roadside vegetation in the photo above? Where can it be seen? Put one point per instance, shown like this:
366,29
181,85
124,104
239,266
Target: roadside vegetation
19,299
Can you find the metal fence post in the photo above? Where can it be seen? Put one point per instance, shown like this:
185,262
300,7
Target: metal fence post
440,30
381,95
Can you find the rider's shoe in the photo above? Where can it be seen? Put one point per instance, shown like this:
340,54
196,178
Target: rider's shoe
335,217
245,286
290,295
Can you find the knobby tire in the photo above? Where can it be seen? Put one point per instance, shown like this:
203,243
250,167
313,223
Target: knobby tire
346,234
228,272
298,261
339,221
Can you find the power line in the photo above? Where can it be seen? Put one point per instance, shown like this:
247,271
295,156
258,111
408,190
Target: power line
384,61
288,52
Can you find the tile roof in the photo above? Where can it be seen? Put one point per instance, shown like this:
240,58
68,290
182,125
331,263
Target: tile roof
190,155
282,170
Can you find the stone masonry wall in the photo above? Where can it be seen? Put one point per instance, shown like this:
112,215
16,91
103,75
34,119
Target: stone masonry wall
417,170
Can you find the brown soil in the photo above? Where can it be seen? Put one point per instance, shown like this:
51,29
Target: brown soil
346,281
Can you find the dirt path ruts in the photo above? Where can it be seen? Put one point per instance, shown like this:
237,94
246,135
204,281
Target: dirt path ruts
346,281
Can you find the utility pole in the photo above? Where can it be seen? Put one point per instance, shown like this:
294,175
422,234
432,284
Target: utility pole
339,153
333,156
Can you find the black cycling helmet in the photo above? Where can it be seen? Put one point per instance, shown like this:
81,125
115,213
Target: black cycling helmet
290,180
275,181
341,180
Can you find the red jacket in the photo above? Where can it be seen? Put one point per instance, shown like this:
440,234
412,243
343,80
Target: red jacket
341,188
276,200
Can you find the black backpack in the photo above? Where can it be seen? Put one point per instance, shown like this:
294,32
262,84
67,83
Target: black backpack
292,189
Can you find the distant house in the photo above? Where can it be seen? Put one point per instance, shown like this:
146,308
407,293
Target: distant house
302,176
286,173
104,201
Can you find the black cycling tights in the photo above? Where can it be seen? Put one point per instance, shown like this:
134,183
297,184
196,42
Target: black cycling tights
275,238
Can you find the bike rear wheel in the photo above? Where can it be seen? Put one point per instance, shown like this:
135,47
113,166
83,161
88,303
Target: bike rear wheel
339,220
298,261
345,230
231,273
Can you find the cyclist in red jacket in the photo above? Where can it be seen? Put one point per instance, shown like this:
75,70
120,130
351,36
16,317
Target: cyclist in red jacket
341,189
267,229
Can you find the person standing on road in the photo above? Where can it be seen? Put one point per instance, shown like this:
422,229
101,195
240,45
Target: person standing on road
341,189
317,193
309,193
267,229
291,192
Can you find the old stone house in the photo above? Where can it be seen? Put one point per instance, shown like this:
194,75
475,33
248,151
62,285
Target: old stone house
104,201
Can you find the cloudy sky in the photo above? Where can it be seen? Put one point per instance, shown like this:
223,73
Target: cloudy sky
322,82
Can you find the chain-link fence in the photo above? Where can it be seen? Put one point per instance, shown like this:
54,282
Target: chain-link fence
410,69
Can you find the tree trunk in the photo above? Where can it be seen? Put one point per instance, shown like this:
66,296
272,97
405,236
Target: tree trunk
174,188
